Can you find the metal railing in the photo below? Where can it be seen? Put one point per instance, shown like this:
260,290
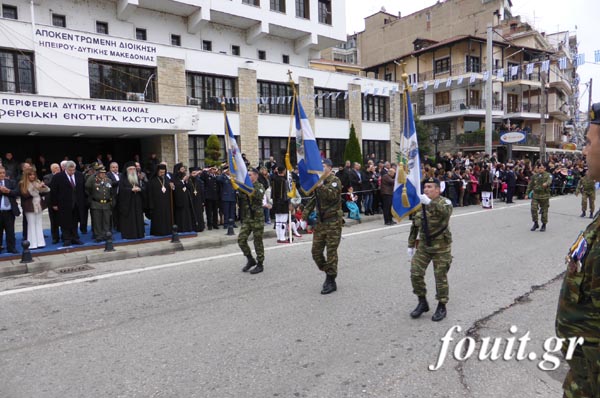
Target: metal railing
455,70
477,138
456,106
520,108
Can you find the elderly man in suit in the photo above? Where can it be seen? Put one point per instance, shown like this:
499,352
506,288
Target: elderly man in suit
8,211
67,199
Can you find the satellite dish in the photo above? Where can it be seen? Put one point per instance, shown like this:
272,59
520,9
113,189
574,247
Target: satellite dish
383,9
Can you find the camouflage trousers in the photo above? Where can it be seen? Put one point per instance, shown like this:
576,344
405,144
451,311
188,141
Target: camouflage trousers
441,265
327,236
257,228
536,205
583,378
588,197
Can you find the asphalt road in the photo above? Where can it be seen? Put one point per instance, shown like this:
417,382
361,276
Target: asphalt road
194,325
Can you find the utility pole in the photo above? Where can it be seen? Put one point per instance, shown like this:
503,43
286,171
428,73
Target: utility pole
590,95
543,107
488,92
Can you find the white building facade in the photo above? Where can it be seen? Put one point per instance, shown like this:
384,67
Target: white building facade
139,77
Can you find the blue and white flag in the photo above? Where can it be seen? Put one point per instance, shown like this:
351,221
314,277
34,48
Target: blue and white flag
460,80
580,59
546,65
436,84
500,73
562,63
597,56
407,183
307,151
529,70
514,70
449,82
239,172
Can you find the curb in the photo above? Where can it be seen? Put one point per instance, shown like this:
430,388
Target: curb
95,256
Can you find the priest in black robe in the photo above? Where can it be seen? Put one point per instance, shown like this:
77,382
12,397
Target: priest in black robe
182,201
197,184
130,202
160,205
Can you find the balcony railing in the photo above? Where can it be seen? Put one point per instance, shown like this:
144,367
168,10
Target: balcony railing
521,75
455,70
477,138
521,108
458,105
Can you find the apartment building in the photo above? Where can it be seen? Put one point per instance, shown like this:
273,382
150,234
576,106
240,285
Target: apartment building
142,76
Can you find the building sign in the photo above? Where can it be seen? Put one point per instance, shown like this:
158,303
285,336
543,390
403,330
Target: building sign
513,137
95,46
38,110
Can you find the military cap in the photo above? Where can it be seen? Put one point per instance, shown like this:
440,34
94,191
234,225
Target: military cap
432,180
100,169
327,162
595,113
194,169
254,170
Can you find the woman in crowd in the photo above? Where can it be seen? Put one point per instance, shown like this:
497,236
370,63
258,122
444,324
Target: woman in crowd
32,192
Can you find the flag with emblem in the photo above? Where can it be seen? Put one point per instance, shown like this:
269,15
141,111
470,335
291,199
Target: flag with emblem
310,167
407,183
239,172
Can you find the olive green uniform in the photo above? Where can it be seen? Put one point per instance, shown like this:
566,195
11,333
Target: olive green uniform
435,241
541,195
578,313
253,222
327,201
587,188
100,197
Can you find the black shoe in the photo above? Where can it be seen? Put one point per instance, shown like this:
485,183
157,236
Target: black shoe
329,286
440,313
210,227
422,307
251,263
13,251
591,214
77,242
543,228
235,226
582,214
66,243
55,241
535,226
258,269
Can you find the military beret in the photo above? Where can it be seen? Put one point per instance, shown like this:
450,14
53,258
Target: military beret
595,113
432,180
327,162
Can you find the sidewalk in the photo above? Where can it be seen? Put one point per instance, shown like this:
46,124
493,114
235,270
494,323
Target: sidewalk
96,254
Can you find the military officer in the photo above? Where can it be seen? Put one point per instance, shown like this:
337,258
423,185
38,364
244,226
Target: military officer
579,301
327,200
540,186
587,188
99,191
254,222
434,245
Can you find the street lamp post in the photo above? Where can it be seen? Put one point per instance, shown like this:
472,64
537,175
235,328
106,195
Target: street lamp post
434,137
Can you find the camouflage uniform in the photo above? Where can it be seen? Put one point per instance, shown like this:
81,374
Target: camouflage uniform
439,251
328,230
578,313
541,195
413,235
588,193
254,222
100,197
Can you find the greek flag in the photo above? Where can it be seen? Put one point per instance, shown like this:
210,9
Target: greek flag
546,65
307,151
597,56
239,172
580,59
407,184
500,73
562,63
514,70
436,84
449,82
529,69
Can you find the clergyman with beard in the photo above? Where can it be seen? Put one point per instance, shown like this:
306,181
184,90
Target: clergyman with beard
160,193
130,202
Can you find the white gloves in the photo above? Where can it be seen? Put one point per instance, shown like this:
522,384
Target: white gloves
410,252
424,199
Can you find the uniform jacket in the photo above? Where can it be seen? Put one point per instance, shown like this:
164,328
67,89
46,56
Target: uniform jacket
279,194
326,200
586,185
211,189
438,219
226,189
536,185
100,193
251,205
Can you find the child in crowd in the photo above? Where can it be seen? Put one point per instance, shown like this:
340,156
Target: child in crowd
353,210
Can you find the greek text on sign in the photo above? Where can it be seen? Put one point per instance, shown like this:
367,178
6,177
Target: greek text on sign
513,137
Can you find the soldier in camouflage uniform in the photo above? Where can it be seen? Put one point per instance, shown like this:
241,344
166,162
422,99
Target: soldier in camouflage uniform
434,245
540,186
99,191
254,222
587,188
579,302
327,201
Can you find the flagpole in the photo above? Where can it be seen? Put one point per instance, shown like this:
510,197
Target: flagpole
226,132
288,162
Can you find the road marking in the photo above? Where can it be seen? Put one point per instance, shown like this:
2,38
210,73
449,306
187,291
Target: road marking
221,256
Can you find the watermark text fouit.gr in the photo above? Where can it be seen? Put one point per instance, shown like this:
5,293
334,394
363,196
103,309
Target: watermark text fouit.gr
507,349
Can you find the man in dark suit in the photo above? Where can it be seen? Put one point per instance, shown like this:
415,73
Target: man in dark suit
8,211
53,215
68,197
211,197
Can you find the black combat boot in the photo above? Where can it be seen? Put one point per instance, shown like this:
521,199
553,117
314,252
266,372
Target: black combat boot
329,286
591,214
535,226
258,269
422,307
582,214
440,312
251,263
543,228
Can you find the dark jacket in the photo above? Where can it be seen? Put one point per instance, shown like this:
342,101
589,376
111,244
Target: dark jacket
66,198
12,196
387,185
211,189
226,189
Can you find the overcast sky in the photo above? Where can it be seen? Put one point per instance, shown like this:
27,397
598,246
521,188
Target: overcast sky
578,16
